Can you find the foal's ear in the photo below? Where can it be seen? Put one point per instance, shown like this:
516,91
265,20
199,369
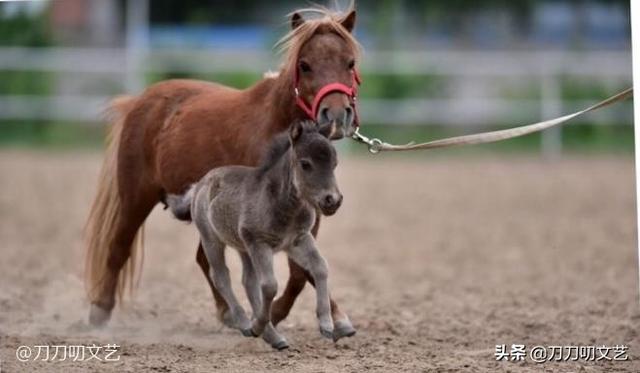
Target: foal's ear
295,131
349,22
296,20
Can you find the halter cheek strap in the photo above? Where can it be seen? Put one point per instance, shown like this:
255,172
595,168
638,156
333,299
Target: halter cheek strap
312,111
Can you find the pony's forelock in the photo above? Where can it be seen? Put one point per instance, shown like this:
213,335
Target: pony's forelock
315,18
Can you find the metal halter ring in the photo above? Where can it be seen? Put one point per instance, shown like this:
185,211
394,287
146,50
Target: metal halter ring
374,146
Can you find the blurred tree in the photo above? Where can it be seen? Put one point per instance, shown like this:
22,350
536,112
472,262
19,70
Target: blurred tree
22,27
214,11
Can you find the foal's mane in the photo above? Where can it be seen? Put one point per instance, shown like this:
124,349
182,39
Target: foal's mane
280,144
317,20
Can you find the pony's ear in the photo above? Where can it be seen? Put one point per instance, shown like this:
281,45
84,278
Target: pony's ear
295,131
349,22
296,20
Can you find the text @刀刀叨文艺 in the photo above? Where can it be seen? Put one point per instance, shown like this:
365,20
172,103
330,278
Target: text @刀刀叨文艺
52,353
542,354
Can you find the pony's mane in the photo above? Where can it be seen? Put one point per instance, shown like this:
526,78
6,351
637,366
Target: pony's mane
280,144
316,20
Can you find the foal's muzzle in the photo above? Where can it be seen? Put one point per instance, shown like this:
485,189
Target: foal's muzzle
330,203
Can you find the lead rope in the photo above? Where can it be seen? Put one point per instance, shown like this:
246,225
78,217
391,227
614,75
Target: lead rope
376,145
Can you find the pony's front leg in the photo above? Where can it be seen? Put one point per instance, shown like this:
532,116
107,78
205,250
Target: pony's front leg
305,253
262,260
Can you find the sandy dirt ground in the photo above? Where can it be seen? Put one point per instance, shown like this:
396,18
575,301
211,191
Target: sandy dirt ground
436,260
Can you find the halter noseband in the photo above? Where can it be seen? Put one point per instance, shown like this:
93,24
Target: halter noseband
312,111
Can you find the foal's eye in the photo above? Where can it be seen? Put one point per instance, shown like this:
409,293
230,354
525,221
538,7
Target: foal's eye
352,64
305,67
306,165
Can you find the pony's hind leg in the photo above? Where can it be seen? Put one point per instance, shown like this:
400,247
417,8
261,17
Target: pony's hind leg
129,220
222,309
252,287
297,281
219,273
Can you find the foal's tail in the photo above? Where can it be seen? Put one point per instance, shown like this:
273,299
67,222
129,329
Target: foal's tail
105,211
180,204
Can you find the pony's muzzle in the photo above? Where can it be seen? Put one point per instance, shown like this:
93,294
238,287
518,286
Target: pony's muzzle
330,203
342,117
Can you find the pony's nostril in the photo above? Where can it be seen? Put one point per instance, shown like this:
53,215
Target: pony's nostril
329,200
348,115
323,116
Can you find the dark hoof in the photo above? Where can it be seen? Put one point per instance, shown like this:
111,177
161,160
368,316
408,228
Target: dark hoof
282,345
326,333
343,329
249,333
98,316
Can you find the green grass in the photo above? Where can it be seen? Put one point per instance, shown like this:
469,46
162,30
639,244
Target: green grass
577,138
45,134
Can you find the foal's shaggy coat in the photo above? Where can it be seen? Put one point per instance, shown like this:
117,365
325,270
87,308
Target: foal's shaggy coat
261,210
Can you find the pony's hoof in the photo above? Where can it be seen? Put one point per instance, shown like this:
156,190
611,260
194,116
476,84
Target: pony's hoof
281,345
226,319
98,316
273,338
249,333
327,333
343,328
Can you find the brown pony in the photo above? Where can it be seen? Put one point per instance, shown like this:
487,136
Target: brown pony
176,131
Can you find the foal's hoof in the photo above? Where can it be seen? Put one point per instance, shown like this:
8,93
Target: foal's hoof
281,345
98,316
273,338
327,333
343,328
226,318
249,333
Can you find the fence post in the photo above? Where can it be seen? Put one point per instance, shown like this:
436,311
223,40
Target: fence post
137,43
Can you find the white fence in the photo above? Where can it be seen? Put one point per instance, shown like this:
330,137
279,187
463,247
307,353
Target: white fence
473,83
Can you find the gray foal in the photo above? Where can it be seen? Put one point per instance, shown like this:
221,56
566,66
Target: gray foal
262,210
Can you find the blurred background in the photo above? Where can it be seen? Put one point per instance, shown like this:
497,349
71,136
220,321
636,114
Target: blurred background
430,68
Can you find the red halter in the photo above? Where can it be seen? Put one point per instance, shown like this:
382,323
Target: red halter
312,111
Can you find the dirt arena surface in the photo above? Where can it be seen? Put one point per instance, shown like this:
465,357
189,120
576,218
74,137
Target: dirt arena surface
436,260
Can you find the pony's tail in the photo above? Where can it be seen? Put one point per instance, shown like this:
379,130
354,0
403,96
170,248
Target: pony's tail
103,219
180,204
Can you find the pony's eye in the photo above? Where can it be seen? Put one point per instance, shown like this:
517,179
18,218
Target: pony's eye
306,165
352,64
305,67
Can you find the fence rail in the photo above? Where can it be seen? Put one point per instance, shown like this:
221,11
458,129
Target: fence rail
469,97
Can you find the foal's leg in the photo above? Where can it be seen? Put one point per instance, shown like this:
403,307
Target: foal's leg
308,257
262,260
252,287
222,309
297,279
282,306
219,273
